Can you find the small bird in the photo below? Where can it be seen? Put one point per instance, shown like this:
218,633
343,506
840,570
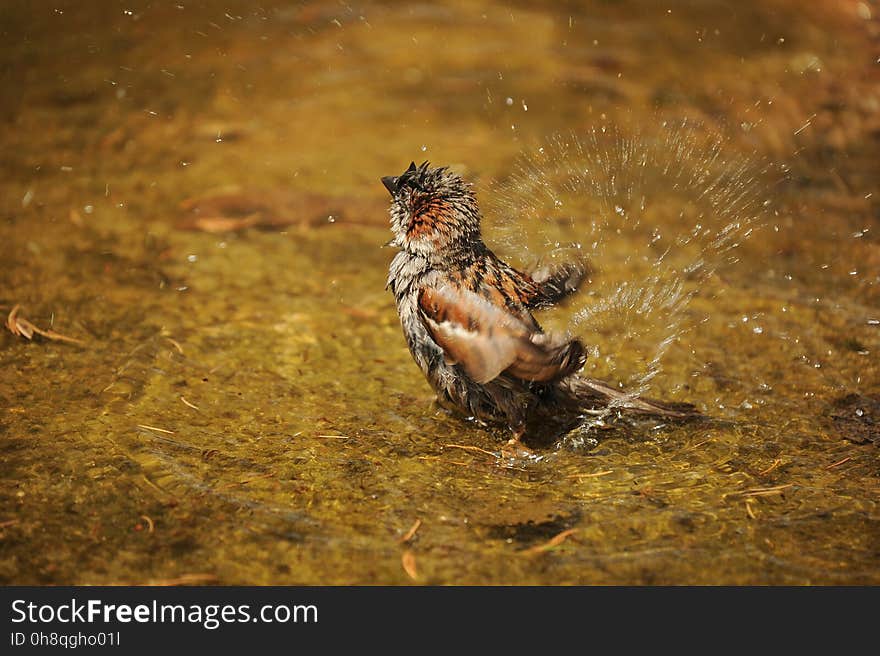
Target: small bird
467,316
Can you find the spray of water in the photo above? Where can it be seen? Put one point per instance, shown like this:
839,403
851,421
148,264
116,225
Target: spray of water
656,213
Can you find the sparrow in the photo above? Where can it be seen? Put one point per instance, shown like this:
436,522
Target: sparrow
467,316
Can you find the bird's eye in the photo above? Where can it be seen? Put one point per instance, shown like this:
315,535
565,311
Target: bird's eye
413,183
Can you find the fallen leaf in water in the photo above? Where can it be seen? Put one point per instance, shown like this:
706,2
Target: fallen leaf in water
408,560
183,580
216,223
359,313
21,327
231,209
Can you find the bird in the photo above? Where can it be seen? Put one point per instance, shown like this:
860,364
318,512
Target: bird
468,320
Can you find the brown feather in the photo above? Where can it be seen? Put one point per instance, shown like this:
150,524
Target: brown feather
549,285
487,340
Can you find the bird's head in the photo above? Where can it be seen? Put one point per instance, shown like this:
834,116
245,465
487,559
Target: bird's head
432,209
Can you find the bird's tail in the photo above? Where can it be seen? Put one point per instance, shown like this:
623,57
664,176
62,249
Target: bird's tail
591,394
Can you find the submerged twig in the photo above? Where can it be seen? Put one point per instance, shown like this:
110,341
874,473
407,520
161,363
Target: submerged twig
470,448
161,430
447,462
22,327
555,541
769,469
150,525
760,491
593,475
191,405
246,481
176,345
185,579
154,486
410,534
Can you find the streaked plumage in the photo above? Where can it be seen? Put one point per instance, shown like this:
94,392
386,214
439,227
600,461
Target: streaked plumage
467,315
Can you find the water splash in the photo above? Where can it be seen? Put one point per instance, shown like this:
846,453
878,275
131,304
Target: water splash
657,213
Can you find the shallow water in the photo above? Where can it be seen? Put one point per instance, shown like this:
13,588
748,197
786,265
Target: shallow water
244,409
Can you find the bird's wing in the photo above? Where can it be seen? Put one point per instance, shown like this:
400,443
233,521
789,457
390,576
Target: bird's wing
487,340
551,284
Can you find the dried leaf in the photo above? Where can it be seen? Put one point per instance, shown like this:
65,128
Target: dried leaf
185,579
219,224
21,327
408,560
231,209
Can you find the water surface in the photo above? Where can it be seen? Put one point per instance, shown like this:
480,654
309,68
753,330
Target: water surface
244,409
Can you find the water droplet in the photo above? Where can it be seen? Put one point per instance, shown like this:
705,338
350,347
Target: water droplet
508,101
88,209
192,258
625,173
860,412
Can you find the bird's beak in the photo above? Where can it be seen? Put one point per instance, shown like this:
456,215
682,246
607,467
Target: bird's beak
390,182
